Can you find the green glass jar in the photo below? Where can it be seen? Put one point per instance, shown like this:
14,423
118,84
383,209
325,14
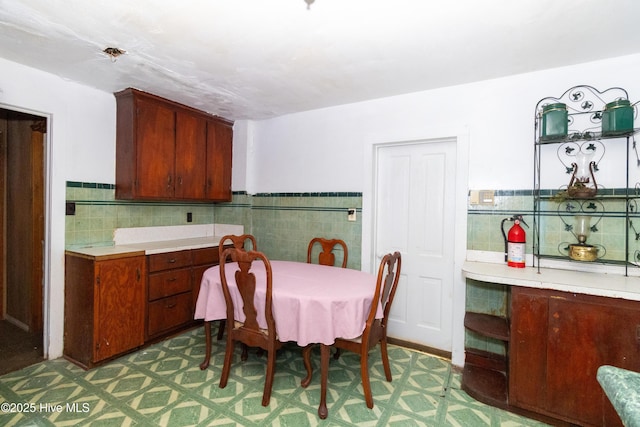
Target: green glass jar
617,118
554,121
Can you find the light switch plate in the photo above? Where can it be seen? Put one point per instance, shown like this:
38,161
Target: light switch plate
482,197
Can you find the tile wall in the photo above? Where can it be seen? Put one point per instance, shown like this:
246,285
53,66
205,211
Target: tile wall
98,214
283,223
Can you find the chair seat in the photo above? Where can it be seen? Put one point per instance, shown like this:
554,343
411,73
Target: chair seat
237,325
354,340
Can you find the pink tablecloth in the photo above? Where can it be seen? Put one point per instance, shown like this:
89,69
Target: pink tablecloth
311,303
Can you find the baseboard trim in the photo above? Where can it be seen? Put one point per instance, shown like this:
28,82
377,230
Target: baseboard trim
420,347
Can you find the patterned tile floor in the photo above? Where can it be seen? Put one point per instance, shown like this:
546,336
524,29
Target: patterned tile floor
162,385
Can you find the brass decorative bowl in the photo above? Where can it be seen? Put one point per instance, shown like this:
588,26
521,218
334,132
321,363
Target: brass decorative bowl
583,252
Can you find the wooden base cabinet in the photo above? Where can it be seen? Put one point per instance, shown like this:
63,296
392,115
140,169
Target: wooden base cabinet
115,304
173,286
104,306
558,341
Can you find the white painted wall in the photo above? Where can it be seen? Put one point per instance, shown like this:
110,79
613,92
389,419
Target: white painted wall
81,148
293,153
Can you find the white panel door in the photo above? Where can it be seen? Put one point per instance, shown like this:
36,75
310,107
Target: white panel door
414,214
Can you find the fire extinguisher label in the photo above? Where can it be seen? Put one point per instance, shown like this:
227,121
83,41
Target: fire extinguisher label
515,254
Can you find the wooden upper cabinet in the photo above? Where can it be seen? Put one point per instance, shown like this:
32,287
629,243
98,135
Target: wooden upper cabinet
190,157
155,150
167,151
219,147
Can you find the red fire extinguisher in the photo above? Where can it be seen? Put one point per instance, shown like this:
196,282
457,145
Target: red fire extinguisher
514,242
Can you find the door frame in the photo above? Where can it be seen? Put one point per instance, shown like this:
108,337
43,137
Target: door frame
46,261
425,134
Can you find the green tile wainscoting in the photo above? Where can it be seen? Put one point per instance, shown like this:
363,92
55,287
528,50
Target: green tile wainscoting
483,223
283,223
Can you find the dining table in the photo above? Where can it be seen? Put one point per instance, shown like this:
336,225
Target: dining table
311,304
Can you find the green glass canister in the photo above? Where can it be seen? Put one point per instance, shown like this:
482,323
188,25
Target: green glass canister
617,118
554,121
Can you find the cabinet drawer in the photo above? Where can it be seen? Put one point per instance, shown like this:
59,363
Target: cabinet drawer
168,313
159,262
205,256
169,283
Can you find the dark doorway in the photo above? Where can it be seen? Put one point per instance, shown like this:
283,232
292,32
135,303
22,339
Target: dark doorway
22,191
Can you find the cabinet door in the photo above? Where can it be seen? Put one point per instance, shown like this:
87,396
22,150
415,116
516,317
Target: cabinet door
219,154
155,156
119,306
190,162
584,334
528,348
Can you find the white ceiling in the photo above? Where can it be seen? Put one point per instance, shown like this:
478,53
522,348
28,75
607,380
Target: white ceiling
256,59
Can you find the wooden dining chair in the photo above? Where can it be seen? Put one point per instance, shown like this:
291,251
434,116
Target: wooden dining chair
375,330
326,256
238,242
249,332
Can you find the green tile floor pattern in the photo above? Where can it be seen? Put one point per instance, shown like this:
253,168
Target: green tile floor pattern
162,385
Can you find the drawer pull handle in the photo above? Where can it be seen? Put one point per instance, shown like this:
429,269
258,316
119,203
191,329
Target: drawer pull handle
171,305
173,279
172,260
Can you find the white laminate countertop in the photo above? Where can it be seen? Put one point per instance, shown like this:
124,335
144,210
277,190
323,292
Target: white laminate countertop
160,239
148,248
589,283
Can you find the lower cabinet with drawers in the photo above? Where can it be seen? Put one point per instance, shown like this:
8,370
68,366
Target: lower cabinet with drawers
115,304
172,289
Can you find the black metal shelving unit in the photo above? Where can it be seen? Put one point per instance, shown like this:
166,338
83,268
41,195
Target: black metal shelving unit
585,109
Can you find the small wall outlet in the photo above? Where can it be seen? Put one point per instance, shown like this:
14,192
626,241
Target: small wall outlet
351,214
189,217
70,208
